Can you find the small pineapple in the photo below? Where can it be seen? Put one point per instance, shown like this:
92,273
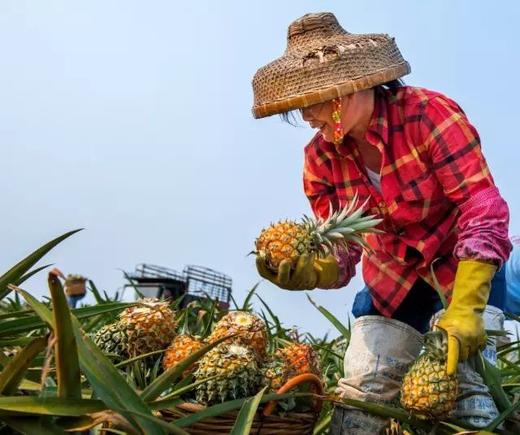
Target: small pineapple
112,340
181,347
149,326
300,358
237,370
427,389
274,373
250,329
287,240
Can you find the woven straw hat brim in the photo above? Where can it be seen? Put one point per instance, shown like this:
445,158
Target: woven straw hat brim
322,62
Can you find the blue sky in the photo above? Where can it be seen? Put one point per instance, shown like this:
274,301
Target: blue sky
132,119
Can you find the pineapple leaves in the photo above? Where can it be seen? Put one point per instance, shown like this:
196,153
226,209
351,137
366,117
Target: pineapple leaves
393,412
13,373
332,319
210,318
105,379
275,318
95,292
57,406
13,275
503,415
32,273
132,284
65,349
33,425
246,415
492,379
247,305
29,323
174,398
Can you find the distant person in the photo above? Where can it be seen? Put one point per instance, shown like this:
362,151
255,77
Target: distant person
75,287
512,279
416,159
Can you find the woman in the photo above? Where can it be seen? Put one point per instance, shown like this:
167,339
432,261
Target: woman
414,155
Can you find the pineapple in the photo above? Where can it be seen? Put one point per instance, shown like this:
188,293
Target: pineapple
300,358
427,389
149,326
237,370
112,339
250,330
274,373
181,347
287,240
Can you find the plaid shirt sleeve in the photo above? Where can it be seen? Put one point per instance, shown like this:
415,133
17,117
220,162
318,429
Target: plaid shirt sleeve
454,148
320,191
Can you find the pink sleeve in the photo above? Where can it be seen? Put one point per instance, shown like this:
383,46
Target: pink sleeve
483,228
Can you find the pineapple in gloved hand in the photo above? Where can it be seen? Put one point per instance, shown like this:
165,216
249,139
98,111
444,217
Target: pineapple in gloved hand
299,256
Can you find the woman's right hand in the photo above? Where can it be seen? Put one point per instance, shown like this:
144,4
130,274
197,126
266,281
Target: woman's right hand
310,272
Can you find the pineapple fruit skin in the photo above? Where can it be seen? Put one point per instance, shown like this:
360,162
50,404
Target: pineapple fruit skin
300,358
237,370
285,240
250,329
112,339
149,326
427,389
180,348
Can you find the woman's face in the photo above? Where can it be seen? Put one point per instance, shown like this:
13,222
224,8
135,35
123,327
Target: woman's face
354,108
319,116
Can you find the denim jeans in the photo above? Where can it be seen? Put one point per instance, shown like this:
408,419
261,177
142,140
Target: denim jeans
74,299
422,302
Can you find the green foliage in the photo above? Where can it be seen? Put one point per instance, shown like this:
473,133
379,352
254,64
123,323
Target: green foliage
54,379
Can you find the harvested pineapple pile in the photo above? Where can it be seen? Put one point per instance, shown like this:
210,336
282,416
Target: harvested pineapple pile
239,366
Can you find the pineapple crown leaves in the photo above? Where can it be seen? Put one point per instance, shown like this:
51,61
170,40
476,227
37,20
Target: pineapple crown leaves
342,226
436,345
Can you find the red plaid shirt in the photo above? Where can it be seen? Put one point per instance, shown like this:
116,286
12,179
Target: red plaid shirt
438,200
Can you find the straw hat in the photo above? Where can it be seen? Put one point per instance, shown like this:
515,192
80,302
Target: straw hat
322,62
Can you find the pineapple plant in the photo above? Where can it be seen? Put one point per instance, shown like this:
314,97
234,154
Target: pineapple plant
288,239
180,348
113,340
149,326
299,358
250,329
236,369
427,389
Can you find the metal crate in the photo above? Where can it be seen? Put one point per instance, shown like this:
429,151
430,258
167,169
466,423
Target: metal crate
195,282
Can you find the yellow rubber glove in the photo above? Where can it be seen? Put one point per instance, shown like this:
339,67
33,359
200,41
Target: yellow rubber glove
310,272
462,320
